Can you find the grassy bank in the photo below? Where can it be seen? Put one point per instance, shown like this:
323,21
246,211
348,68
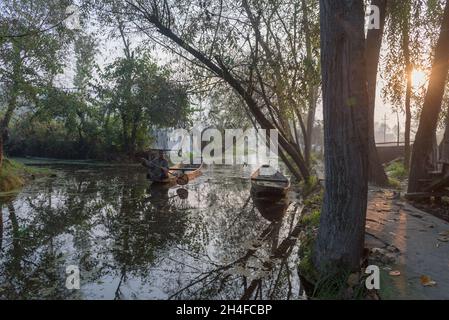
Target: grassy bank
14,175
396,173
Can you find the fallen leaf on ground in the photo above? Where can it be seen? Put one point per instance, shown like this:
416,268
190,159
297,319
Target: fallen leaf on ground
395,273
444,233
443,239
426,281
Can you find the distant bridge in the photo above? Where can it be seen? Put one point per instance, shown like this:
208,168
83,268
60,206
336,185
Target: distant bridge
389,151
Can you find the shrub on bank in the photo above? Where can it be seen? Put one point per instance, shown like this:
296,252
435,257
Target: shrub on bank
13,175
9,177
396,170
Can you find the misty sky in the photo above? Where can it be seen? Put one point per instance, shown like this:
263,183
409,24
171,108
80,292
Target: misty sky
110,48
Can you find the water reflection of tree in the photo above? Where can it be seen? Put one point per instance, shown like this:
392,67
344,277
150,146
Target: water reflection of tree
1,226
20,273
100,222
215,244
262,272
139,227
31,263
232,227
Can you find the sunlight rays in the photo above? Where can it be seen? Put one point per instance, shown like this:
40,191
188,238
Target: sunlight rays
419,78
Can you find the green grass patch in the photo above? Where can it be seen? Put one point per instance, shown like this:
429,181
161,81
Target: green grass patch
394,183
396,170
310,221
336,286
310,187
13,175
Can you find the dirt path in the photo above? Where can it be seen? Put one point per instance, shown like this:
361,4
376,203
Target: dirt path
406,239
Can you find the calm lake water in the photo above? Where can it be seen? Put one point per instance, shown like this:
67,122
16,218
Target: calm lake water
131,240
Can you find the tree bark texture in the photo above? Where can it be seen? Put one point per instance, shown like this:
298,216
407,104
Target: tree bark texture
340,240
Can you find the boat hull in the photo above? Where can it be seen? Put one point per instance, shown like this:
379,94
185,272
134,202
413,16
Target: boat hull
276,185
171,180
267,191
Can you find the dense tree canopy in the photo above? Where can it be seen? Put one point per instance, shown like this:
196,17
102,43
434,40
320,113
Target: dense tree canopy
105,110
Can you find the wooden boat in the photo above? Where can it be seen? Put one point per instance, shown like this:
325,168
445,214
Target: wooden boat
267,182
191,170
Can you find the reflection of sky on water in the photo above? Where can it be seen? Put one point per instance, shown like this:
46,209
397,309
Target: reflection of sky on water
135,242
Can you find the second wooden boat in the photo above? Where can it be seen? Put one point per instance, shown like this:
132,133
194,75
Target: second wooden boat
191,170
268,182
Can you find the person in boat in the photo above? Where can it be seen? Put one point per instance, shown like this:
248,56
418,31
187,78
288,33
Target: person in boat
158,167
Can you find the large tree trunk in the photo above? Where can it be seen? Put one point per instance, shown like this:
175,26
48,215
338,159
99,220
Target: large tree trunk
444,147
125,130
310,126
431,109
408,96
133,138
12,100
376,174
408,120
340,240
312,90
5,122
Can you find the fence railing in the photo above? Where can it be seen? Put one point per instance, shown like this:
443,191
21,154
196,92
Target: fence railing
392,144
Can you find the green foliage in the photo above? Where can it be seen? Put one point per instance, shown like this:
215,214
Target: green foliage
9,177
396,173
29,56
394,183
105,120
142,95
314,201
396,170
13,175
306,268
312,219
102,114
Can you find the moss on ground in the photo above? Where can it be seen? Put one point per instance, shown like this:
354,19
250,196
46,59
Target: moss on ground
13,175
310,221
